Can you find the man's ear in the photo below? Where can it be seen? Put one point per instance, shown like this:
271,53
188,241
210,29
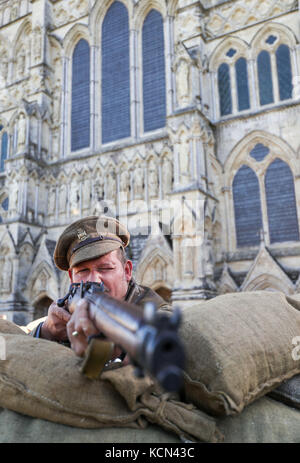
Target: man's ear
128,270
70,275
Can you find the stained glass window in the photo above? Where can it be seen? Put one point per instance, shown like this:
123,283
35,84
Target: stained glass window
265,78
80,112
281,203
115,74
284,71
154,83
224,87
242,84
247,207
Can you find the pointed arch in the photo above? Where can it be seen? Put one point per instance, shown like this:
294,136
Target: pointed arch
220,53
285,35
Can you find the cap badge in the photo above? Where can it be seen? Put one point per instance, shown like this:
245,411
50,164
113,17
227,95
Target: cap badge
82,234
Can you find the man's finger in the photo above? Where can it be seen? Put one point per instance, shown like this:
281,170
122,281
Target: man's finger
61,313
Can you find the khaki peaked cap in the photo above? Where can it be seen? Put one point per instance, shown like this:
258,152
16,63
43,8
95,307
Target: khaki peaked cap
89,238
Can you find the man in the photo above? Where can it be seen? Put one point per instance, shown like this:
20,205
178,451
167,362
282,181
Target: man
92,249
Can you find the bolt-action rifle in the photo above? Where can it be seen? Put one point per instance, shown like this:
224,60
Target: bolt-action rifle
148,336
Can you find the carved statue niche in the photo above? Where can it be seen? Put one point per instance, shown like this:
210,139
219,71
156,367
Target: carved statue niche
52,200
153,180
167,176
184,158
111,187
138,182
6,270
21,132
124,185
37,45
62,205
182,82
74,198
4,66
20,63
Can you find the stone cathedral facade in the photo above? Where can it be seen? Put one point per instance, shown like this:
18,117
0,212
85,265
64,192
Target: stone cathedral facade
179,117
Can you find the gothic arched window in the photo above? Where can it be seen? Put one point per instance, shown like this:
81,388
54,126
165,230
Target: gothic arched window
284,72
265,78
224,87
281,203
247,207
115,74
80,110
154,82
241,72
3,153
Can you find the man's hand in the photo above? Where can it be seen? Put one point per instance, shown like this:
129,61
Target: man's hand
84,326
54,327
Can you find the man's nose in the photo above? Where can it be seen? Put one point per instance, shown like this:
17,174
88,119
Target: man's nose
95,277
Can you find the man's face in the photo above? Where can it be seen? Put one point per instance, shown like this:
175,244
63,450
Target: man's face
107,269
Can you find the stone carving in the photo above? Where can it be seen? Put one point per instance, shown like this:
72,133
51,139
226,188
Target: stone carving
14,13
184,158
153,181
4,66
20,65
21,132
98,196
86,193
138,182
37,45
52,200
182,82
14,198
110,187
62,204
167,176
74,198
124,181
6,271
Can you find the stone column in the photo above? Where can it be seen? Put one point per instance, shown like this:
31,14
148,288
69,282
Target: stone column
170,77
64,104
93,99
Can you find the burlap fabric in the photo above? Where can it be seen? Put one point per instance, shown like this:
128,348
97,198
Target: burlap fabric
263,421
238,348
42,379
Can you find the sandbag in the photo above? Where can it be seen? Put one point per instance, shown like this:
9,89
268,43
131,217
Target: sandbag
238,347
264,421
17,428
42,379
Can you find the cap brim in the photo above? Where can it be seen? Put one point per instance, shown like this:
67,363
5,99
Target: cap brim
93,251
